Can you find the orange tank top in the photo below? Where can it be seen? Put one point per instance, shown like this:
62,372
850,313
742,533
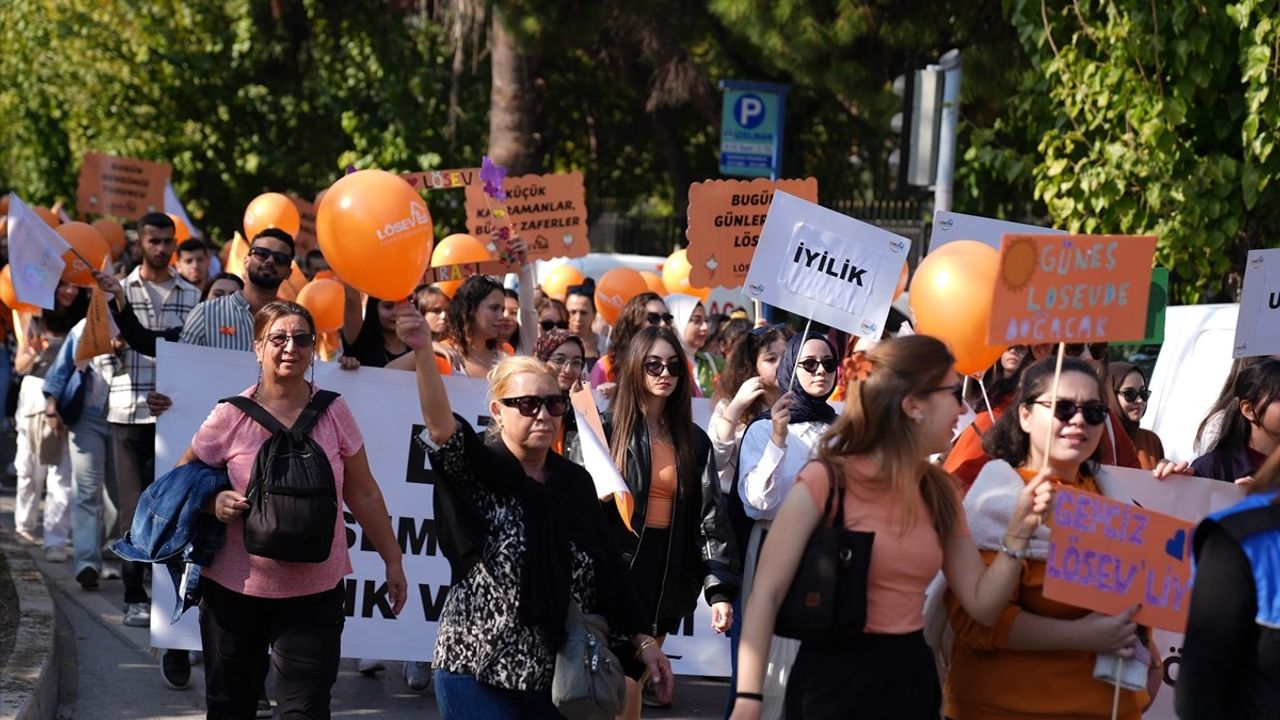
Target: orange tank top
662,484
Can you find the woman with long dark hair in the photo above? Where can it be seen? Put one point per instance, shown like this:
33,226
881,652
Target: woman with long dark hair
748,386
1250,425
684,542
473,323
1127,393
1001,380
644,310
371,337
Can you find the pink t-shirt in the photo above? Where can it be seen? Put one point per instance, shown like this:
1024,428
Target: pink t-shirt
229,438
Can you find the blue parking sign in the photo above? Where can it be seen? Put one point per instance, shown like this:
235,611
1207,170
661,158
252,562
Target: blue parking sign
751,128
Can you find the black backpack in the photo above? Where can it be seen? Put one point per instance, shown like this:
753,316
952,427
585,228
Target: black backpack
293,501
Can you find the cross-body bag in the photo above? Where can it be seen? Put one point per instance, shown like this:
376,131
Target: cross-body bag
589,682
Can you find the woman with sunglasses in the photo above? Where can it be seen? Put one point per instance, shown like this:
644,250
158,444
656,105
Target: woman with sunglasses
684,543
873,471
1127,392
1250,425
689,321
562,351
526,536
1000,381
552,315
1035,659
643,310
251,604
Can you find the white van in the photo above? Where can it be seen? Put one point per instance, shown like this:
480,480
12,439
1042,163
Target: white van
596,264
1193,363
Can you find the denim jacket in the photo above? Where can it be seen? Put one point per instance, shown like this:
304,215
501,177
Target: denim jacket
68,386
169,528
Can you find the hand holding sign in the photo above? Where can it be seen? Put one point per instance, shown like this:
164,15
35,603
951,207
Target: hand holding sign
1032,504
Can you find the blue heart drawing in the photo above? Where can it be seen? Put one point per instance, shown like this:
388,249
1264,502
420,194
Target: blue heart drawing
1176,546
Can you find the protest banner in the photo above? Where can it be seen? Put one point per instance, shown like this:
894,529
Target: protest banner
1106,555
1071,289
442,179
35,255
825,266
385,405
121,186
549,212
950,226
725,220
1258,325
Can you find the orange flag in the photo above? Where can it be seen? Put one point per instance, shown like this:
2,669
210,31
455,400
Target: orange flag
595,455
239,252
96,338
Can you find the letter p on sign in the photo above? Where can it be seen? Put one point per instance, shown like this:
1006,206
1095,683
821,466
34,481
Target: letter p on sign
749,110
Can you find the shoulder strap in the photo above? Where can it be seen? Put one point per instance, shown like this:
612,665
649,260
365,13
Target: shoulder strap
256,412
835,493
314,410
1247,523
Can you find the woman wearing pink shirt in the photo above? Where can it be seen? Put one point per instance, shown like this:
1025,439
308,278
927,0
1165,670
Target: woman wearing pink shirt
251,603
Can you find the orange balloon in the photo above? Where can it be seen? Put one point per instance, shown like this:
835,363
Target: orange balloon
951,297
271,210
455,259
614,289
654,281
376,233
326,275
92,247
114,234
49,216
180,230
558,279
9,296
675,276
323,299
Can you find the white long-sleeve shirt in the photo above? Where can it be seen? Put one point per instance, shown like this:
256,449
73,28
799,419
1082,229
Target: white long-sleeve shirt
768,471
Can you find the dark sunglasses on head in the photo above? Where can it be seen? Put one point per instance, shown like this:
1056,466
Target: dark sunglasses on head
1097,351
810,365
659,318
655,367
957,391
1131,395
280,258
301,340
549,325
1095,413
757,332
530,405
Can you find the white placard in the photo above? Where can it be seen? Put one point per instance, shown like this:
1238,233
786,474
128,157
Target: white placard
385,405
35,255
822,265
1258,326
949,226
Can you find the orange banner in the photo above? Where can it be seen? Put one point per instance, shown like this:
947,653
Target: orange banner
1071,288
725,220
549,212
120,186
1107,556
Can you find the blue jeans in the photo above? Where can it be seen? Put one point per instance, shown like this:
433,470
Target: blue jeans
90,437
462,697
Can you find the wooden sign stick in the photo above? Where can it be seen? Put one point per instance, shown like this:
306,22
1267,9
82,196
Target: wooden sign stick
1053,404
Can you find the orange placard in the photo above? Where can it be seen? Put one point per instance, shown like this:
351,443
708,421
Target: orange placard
121,186
725,219
1071,288
443,179
305,239
95,338
1107,556
549,212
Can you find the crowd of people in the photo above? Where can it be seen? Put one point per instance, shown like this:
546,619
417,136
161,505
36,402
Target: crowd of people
950,616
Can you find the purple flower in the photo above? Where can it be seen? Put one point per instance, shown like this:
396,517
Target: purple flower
492,175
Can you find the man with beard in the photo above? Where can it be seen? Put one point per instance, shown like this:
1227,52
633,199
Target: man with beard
227,322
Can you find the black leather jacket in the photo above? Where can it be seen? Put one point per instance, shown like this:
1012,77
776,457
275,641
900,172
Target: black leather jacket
704,555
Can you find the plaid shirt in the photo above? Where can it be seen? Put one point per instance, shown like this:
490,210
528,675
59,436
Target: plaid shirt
131,376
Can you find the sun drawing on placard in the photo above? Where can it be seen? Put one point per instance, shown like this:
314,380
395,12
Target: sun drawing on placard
1018,264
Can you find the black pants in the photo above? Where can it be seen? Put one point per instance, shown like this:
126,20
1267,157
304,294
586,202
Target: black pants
135,459
304,635
885,677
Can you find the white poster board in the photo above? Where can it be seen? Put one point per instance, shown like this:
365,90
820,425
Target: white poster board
1258,326
385,404
949,226
825,266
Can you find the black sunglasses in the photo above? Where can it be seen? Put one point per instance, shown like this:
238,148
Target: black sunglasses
957,391
301,340
659,318
810,365
280,258
655,367
530,405
1131,395
1097,351
1095,413
549,325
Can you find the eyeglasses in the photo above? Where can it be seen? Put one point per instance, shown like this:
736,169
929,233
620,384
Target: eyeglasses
1097,351
1095,413
301,341
531,405
1131,395
549,325
660,318
560,362
280,258
957,391
810,365
654,368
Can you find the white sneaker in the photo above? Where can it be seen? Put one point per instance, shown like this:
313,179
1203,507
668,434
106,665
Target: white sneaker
137,614
110,572
56,554
26,538
370,668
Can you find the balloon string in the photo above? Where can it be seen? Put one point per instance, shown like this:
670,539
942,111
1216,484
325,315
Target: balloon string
987,400
1053,403
1115,698
807,324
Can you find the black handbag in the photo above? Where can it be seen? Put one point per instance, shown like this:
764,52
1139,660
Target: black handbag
827,600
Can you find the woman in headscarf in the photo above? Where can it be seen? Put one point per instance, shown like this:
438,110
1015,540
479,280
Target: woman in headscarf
564,352
689,321
775,447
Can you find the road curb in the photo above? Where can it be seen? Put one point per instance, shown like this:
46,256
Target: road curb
29,683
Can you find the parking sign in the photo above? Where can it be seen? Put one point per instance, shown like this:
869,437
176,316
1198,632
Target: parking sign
751,128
